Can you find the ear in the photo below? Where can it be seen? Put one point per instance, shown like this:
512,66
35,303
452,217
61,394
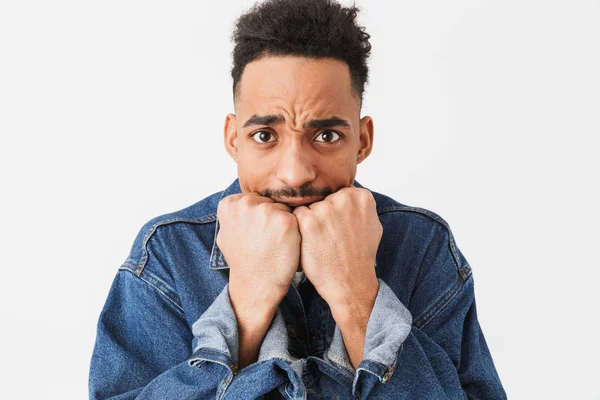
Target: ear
365,138
230,136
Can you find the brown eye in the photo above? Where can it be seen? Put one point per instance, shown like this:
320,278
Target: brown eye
328,137
263,137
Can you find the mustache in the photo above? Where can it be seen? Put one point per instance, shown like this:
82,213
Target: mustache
304,191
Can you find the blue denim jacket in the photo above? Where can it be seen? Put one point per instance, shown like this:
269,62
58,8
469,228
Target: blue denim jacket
168,330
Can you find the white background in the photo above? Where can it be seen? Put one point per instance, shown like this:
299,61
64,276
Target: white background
486,112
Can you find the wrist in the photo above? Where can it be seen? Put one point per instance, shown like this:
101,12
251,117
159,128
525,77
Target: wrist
253,309
352,312
251,333
253,324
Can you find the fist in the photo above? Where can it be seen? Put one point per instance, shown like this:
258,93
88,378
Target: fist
340,237
261,243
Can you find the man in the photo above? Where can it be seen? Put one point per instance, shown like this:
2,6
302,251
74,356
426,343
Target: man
295,282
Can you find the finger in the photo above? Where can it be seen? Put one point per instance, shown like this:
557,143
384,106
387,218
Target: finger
254,198
344,196
256,195
348,189
300,211
281,206
317,204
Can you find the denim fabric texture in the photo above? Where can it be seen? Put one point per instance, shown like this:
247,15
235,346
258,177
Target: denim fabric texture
168,330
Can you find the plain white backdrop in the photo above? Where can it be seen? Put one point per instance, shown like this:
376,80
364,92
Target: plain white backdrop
485,112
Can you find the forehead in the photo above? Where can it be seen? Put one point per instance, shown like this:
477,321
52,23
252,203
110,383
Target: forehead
297,84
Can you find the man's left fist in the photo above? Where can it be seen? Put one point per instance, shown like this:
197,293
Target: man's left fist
340,237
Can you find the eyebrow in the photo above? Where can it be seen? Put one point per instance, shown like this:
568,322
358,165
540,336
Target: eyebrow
274,119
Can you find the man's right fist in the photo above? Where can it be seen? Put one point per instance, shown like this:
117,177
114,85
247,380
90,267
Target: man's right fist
260,240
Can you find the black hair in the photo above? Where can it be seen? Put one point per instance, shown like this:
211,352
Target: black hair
309,28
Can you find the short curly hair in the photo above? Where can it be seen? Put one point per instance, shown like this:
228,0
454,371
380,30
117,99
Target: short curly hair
309,28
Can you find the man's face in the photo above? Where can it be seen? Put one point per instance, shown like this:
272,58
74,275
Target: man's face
297,135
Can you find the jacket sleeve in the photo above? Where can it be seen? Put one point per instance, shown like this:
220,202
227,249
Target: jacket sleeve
441,354
145,348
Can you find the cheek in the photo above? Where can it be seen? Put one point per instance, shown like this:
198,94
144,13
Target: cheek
339,170
253,169
250,181
250,153
342,160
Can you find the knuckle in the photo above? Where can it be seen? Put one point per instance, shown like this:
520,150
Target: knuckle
222,210
344,194
224,203
227,202
288,221
365,196
266,210
245,200
310,223
263,207
344,198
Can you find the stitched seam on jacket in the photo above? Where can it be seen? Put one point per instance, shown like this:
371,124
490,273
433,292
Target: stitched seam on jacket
162,291
463,271
434,313
152,230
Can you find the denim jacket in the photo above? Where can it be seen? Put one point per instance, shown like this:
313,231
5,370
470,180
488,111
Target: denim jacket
168,330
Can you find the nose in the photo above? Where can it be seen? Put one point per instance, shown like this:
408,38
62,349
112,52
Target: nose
295,166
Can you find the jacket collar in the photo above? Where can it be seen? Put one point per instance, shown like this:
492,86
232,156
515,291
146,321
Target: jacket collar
217,260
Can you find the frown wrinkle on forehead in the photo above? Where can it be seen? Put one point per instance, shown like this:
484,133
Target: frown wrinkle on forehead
298,88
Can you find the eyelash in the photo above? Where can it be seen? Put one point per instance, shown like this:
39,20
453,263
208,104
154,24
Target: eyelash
341,136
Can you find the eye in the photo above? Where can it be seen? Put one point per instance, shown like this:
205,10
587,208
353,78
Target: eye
328,137
263,137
